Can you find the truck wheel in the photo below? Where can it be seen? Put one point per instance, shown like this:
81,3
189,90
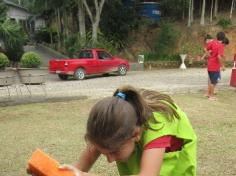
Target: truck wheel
79,74
122,70
63,77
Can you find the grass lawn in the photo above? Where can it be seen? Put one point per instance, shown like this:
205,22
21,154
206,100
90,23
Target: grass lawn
58,129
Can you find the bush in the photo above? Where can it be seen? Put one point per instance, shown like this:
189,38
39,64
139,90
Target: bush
4,61
191,48
166,40
224,22
30,60
44,34
72,44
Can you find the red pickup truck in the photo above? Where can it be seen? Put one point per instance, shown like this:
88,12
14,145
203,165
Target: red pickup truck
89,61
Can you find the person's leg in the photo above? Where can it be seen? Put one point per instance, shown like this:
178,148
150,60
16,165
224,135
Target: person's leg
212,95
214,76
219,78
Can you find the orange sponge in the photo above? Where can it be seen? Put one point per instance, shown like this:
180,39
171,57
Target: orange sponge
43,165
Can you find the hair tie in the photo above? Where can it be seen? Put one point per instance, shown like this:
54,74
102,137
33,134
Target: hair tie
121,95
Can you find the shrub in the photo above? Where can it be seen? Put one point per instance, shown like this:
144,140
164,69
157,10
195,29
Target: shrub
191,48
3,61
166,40
72,44
224,22
30,60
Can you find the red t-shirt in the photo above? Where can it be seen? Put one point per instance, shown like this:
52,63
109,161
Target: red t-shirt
216,48
171,143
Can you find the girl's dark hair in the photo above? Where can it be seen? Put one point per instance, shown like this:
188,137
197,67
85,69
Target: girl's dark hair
225,41
220,36
112,120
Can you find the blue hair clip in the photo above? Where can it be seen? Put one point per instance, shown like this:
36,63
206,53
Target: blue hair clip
121,95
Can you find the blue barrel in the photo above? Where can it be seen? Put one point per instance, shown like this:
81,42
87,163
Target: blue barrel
151,10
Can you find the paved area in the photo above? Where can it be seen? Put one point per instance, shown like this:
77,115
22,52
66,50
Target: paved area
168,81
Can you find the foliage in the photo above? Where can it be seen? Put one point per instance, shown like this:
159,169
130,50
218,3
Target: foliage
173,8
3,61
72,44
109,45
3,11
166,40
192,49
45,34
153,56
13,38
117,20
30,60
224,22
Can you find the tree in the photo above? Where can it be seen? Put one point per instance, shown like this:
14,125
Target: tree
94,19
13,38
232,8
81,15
3,11
117,20
216,8
202,22
211,13
190,12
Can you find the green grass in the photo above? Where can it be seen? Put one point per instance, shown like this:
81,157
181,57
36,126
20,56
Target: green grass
58,129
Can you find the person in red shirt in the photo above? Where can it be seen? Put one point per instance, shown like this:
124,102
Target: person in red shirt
215,62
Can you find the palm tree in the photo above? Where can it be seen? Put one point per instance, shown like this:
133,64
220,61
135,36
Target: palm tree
13,38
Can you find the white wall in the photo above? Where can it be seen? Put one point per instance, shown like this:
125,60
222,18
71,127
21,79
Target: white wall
39,23
17,14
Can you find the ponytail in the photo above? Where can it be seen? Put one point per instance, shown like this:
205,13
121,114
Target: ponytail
145,102
134,98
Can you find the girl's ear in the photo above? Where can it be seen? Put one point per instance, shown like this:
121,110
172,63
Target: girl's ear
137,134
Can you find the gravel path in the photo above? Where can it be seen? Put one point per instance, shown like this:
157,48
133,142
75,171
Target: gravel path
169,81
166,80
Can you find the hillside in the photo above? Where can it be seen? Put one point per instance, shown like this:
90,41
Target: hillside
142,38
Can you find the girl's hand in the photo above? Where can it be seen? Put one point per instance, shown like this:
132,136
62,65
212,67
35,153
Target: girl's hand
75,170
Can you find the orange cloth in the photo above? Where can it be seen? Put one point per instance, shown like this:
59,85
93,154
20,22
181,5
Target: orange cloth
43,165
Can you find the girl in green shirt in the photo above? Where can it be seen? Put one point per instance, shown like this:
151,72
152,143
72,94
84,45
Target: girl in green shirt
120,127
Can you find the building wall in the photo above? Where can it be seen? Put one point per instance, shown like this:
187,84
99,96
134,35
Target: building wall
17,14
39,23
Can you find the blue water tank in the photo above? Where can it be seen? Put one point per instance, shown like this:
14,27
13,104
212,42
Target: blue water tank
151,10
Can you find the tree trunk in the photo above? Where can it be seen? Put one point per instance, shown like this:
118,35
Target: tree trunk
189,12
81,16
96,18
232,8
216,8
57,13
211,15
202,22
192,9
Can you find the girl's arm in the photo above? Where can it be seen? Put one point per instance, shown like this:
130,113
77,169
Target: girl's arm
151,162
87,158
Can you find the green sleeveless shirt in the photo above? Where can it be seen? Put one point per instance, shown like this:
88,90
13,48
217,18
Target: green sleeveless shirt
179,163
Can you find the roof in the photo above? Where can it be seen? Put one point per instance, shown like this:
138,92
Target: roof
14,5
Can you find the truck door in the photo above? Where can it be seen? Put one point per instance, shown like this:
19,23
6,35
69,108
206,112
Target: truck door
105,62
90,61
